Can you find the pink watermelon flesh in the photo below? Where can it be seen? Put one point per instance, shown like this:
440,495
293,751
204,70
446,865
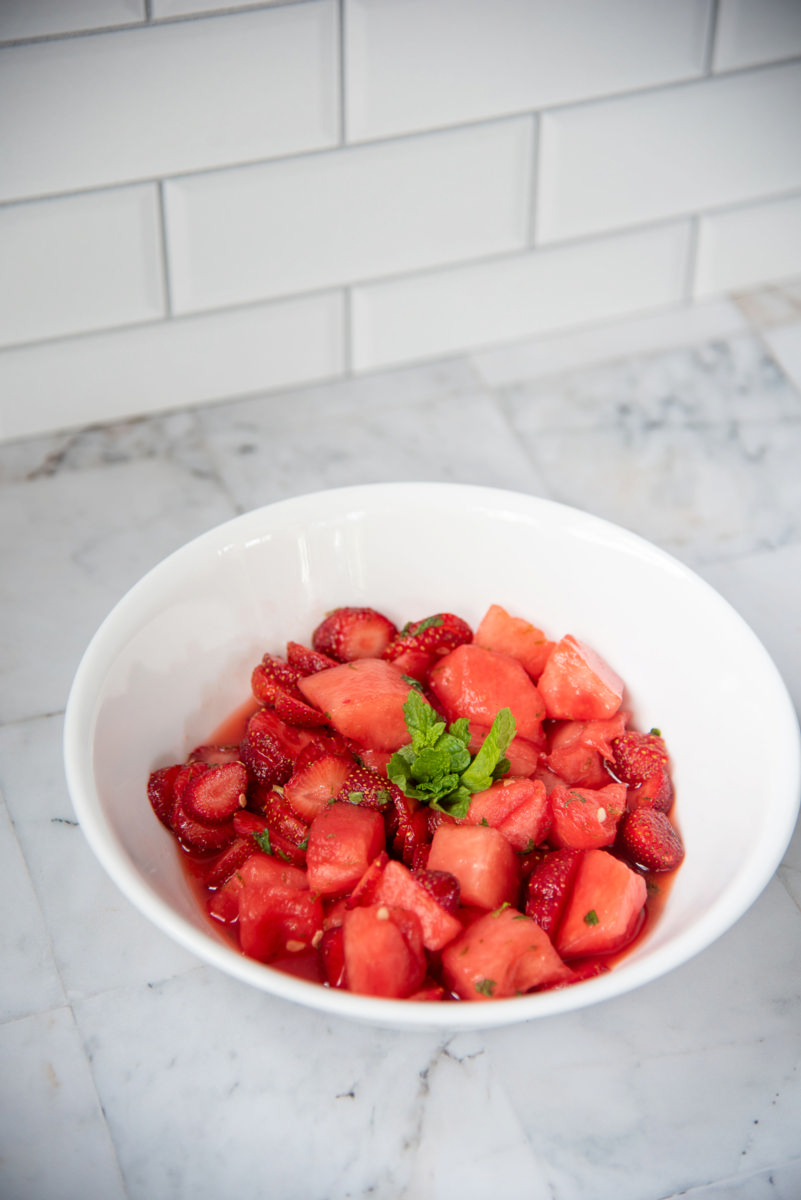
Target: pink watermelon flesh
604,911
476,683
363,700
577,685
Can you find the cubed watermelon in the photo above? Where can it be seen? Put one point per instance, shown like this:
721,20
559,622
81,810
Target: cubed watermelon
398,888
514,636
363,700
476,683
586,818
343,841
502,954
605,909
482,860
383,949
518,808
275,919
577,685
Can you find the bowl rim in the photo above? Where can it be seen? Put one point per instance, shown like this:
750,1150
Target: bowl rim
82,711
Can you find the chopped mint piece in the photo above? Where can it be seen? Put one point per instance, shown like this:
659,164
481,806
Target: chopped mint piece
591,918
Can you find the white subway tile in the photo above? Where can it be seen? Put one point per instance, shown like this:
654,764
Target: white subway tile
668,152
40,18
750,32
748,246
418,64
79,263
169,364
439,313
181,96
326,219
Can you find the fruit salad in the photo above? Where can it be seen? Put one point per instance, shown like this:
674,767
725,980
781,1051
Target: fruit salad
432,812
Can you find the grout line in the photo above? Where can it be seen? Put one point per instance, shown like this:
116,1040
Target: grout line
165,253
691,265
343,66
711,38
534,179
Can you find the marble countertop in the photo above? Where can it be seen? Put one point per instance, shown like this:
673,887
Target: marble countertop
131,1070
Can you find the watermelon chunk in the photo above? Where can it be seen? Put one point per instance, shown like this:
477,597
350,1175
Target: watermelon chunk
481,859
580,750
476,683
502,954
363,700
518,808
516,637
275,919
586,818
398,888
343,841
577,685
605,909
383,949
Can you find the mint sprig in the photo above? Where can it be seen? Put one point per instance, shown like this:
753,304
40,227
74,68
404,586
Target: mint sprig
437,768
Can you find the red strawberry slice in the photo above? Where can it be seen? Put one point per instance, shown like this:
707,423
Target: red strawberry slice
369,789
161,792
271,674
215,796
433,635
656,792
317,780
549,887
217,872
408,827
649,840
281,816
306,660
349,633
264,758
269,841
442,887
294,711
293,738
198,835
638,756
366,890
332,957
214,755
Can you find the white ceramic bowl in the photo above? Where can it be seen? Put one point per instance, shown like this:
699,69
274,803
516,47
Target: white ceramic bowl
174,657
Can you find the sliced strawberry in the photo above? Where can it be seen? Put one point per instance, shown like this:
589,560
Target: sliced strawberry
281,816
349,633
636,756
214,755
656,792
294,711
366,787
649,840
408,827
264,758
318,779
223,905
441,886
216,795
434,635
271,842
306,660
332,957
161,792
549,888
273,673
217,872
366,889
198,835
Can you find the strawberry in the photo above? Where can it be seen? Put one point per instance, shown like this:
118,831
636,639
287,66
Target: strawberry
434,635
257,829
407,827
636,756
318,779
214,755
367,887
441,886
265,760
649,840
549,888
349,633
199,835
294,711
161,792
281,816
272,674
656,792
218,872
332,956
215,796
306,660
367,788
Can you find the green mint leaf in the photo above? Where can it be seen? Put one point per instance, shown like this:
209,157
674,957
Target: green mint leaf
591,917
422,626
262,840
480,774
485,986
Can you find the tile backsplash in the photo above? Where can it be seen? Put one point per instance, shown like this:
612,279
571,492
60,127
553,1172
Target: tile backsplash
202,199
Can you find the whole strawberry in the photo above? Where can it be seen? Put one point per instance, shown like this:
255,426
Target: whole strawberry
648,839
637,756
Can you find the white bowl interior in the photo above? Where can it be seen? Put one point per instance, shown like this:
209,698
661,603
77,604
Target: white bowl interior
173,660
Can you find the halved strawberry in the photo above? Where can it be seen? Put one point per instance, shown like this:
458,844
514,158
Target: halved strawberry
281,816
636,756
307,661
270,841
161,792
365,786
216,795
549,887
318,779
656,792
270,674
214,755
407,827
294,711
349,633
433,635
264,758
199,835
649,840
441,886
